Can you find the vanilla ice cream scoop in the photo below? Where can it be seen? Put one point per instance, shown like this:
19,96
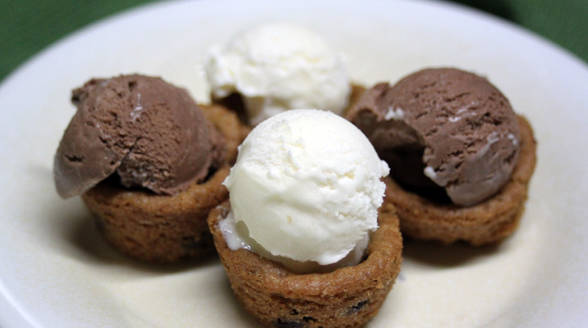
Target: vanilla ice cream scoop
276,67
306,187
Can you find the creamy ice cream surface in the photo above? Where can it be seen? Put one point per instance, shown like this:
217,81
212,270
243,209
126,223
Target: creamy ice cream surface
442,128
306,187
147,131
276,67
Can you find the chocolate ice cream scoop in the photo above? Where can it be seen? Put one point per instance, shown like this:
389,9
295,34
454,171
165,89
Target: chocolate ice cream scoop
151,133
442,127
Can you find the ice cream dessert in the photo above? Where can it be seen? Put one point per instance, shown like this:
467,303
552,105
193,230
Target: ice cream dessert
460,156
304,237
275,67
147,131
147,162
291,175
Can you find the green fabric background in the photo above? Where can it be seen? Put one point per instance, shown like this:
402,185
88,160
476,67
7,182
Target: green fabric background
28,26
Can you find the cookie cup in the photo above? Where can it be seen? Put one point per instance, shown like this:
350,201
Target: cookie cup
487,222
346,297
162,228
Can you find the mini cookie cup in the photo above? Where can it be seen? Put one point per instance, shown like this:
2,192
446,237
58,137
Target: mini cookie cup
166,228
485,223
345,297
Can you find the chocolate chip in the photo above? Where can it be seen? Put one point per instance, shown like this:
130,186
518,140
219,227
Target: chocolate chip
288,324
308,319
357,307
190,242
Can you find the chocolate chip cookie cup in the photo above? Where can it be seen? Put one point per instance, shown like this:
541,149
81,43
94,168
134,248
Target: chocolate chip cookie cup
166,228
347,297
488,222
148,162
306,237
459,156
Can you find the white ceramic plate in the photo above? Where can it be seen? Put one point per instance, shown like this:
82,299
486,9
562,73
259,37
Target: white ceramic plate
56,271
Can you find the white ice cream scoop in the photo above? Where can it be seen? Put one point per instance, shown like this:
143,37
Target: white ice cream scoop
306,187
276,67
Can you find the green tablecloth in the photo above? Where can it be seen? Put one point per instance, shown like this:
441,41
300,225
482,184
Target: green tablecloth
28,26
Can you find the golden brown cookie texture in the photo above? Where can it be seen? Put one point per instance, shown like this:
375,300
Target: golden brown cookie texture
487,222
346,297
166,228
